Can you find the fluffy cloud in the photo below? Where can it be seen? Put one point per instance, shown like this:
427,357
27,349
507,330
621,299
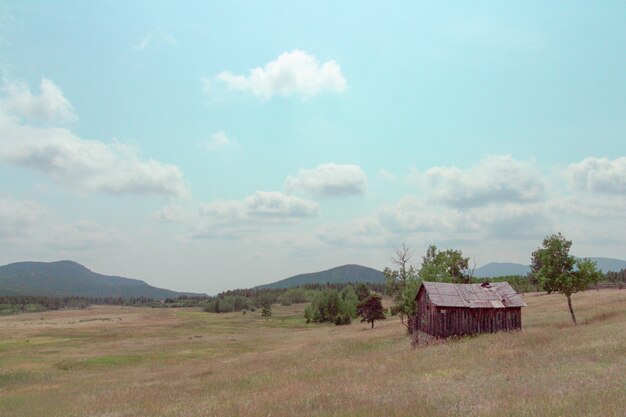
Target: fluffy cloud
412,215
28,223
363,232
238,218
277,204
292,73
87,165
329,180
220,141
496,179
50,106
170,214
599,175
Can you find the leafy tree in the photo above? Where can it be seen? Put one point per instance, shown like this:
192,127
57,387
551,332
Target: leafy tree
371,309
332,306
402,283
557,271
445,266
362,291
294,295
349,300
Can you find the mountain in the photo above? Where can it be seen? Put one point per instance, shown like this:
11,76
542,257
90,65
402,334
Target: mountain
498,269
68,278
338,275
609,264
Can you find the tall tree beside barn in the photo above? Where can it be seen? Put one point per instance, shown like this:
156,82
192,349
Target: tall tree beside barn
557,271
401,283
445,266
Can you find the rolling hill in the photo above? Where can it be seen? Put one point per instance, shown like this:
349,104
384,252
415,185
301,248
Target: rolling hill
338,275
68,278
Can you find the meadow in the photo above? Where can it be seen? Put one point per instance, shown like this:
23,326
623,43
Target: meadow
108,361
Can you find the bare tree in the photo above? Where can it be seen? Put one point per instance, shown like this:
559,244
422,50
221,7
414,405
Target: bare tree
401,282
401,259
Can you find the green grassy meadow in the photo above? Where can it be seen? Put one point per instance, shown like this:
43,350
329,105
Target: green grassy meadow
121,362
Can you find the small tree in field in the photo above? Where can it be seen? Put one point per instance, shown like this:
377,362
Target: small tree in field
266,308
371,309
557,271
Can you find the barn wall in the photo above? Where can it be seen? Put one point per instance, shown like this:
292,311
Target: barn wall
459,321
450,321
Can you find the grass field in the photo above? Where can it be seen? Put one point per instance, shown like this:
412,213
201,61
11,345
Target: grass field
114,362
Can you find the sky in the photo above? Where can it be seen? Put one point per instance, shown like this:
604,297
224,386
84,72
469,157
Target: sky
206,146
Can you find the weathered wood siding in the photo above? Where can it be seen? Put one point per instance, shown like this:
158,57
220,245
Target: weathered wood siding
451,321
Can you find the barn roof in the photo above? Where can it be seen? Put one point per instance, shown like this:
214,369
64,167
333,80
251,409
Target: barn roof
490,295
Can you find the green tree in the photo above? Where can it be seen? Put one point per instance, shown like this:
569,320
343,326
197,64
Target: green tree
557,271
445,266
371,309
349,300
331,306
362,291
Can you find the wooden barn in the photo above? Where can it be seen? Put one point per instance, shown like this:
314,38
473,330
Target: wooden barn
445,309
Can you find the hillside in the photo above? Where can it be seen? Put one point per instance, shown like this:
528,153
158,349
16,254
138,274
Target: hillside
338,275
498,269
68,278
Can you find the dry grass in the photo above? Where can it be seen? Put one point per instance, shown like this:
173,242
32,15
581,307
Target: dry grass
118,362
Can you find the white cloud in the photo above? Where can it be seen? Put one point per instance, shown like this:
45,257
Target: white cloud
292,73
363,232
387,176
277,204
50,106
414,215
599,175
329,180
173,213
228,219
162,37
220,141
32,225
87,165
496,179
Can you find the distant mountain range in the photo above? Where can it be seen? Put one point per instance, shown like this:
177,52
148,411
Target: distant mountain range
358,273
68,278
338,275
498,269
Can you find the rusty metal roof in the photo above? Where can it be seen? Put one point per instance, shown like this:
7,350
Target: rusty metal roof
493,295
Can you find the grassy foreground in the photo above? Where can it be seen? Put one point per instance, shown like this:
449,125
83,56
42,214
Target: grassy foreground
114,362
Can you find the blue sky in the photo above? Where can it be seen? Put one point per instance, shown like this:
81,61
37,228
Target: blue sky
203,147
